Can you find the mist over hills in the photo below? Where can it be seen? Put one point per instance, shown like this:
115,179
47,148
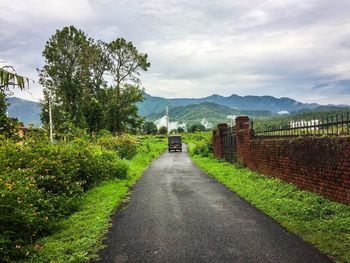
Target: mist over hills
207,113
212,109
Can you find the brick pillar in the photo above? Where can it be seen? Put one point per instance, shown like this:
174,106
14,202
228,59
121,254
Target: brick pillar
244,134
242,123
218,140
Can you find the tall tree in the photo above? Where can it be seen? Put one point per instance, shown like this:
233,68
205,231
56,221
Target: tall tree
71,74
127,65
149,128
75,81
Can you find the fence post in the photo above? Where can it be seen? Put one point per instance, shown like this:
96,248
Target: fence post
216,145
244,134
218,140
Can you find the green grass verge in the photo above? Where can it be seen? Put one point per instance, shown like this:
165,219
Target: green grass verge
321,222
79,237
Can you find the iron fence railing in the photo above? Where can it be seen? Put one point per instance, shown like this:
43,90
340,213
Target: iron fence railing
332,125
229,144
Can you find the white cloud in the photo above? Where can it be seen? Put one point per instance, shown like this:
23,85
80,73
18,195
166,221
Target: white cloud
19,12
292,48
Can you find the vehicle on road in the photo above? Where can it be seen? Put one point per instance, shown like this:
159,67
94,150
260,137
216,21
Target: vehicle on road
174,143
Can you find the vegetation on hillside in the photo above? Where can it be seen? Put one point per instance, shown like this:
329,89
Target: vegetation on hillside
153,105
267,123
211,112
149,128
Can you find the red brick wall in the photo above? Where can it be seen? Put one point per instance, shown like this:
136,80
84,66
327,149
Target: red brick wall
218,140
318,164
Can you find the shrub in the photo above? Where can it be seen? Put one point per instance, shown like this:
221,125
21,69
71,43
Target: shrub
163,130
149,128
197,127
124,145
40,183
23,213
200,143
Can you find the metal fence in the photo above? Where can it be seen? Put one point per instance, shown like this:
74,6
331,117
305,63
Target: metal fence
229,144
332,125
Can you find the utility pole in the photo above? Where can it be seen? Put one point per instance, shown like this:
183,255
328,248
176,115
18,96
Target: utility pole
167,118
50,120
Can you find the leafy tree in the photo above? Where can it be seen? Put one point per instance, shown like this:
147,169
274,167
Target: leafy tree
173,131
74,77
180,130
66,74
126,67
122,113
163,130
8,126
149,128
9,78
197,127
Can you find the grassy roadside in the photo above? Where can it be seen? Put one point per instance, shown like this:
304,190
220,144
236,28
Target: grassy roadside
79,237
321,222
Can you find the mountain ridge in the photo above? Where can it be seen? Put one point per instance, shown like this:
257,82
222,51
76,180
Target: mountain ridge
205,112
250,102
29,111
25,111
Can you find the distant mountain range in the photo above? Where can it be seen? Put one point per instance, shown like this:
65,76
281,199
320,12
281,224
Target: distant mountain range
153,104
213,109
207,113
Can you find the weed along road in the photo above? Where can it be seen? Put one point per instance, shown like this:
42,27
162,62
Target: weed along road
177,213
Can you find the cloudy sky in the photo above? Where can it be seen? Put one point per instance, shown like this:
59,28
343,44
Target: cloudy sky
284,48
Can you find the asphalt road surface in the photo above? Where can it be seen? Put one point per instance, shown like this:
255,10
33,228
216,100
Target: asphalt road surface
177,213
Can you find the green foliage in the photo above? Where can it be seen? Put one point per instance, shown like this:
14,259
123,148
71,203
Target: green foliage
195,112
74,80
200,143
8,77
79,237
323,223
197,127
8,126
41,183
163,130
267,123
173,131
149,128
125,145
66,74
122,112
127,62
180,130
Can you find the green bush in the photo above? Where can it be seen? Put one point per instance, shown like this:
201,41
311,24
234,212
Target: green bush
125,145
40,183
200,143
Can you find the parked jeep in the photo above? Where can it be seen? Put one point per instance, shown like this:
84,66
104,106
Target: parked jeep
174,143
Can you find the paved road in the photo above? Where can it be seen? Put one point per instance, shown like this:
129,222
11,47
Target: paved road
177,213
